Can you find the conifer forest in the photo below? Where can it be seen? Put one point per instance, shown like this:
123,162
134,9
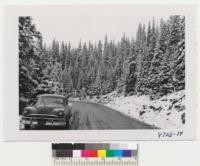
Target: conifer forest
148,63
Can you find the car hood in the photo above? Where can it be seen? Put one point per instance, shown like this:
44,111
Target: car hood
45,109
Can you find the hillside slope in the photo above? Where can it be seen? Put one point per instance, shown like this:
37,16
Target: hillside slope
167,112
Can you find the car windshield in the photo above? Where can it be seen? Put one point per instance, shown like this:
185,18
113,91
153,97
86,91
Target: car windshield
49,100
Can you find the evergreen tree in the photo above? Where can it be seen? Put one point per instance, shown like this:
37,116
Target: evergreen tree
31,56
67,80
152,64
63,55
178,41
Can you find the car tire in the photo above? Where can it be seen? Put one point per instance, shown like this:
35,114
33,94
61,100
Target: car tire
26,127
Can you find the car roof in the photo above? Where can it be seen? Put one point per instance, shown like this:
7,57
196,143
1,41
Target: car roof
50,95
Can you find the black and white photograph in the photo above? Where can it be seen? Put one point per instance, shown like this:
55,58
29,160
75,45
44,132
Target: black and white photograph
102,72
99,82
103,68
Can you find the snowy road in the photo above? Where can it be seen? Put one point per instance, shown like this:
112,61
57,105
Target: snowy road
87,116
95,116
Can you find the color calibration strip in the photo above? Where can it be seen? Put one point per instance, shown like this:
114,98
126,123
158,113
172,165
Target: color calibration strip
92,150
94,155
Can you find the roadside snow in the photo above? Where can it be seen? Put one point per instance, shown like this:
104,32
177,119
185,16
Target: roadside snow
167,112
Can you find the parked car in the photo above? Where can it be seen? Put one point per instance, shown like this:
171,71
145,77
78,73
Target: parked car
49,110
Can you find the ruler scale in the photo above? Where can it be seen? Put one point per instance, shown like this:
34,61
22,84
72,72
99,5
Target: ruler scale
93,155
94,162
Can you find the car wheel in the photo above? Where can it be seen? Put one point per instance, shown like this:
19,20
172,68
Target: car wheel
26,127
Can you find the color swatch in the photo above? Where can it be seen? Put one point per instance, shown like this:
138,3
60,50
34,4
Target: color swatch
92,150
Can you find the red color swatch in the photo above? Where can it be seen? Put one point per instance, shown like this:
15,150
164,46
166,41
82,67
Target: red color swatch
88,153
93,153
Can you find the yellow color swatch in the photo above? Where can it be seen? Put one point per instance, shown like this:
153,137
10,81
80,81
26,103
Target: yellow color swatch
101,153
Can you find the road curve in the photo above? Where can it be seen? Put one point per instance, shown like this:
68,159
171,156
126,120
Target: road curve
87,116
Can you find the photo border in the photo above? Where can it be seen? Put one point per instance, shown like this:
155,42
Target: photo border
11,108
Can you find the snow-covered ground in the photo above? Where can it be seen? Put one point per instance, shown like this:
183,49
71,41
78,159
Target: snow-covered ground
167,112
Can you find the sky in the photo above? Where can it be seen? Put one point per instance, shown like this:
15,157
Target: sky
91,23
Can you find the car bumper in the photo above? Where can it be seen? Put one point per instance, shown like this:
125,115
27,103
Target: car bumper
43,121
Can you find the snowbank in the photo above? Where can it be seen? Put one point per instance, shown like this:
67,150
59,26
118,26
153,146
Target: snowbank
167,112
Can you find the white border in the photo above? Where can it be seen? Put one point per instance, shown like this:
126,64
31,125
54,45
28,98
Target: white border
11,130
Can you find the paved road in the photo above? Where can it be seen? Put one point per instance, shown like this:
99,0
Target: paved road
95,116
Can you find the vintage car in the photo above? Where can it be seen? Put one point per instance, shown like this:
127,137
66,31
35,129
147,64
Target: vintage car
49,110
